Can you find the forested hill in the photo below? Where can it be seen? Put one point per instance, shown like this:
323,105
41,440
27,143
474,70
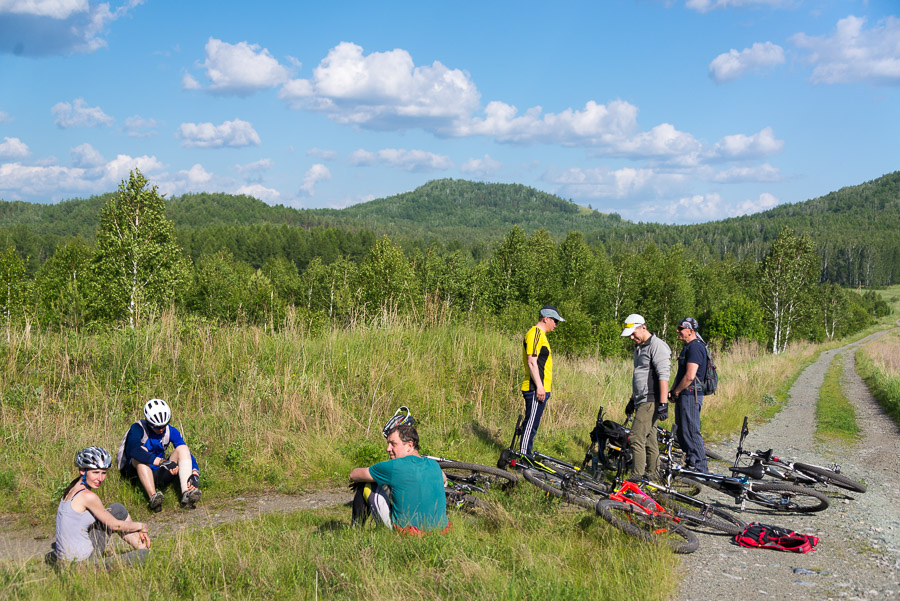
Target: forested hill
856,230
439,210
462,210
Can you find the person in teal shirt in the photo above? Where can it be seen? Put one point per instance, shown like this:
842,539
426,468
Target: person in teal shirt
409,491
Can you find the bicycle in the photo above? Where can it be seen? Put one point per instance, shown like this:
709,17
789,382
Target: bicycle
697,512
552,475
766,463
637,514
467,480
772,495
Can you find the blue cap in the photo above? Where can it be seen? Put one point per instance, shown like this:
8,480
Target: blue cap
550,311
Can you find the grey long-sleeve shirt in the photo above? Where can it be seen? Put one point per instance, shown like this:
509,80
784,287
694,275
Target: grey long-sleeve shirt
651,364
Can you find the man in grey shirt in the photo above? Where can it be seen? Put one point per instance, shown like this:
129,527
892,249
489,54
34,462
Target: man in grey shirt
649,387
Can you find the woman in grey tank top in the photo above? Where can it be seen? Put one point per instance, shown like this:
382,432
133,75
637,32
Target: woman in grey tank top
83,524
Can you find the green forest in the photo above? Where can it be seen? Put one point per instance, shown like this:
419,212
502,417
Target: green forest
450,251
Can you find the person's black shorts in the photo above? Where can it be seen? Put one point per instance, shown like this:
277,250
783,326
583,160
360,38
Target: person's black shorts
161,477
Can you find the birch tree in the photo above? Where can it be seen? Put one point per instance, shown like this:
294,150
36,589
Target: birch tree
789,274
139,262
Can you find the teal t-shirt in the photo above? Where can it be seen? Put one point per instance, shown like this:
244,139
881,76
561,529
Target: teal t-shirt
417,491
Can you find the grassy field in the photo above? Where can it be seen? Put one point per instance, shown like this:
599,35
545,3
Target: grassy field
294,411
879,364
289,411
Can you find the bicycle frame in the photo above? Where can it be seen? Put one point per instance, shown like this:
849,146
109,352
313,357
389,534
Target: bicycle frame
765,463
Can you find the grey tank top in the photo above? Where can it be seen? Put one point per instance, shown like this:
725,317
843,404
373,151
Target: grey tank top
72,540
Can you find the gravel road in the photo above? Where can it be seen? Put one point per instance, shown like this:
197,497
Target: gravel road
858,555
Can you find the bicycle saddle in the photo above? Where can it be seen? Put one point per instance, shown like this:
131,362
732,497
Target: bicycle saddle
755,471
764,455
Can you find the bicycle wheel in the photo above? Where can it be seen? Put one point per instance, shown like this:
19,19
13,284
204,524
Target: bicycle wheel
662,529
478,478
463,501
787,497
830,477
700,514
568,488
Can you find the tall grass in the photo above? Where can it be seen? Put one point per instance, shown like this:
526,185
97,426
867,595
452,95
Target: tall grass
879,365
295,409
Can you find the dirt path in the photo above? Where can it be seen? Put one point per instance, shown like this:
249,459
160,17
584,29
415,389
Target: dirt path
20,544
858,556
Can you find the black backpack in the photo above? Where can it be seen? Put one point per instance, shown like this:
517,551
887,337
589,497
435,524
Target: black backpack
711,381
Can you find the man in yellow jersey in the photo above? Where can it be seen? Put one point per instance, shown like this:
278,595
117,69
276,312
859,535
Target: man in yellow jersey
539,366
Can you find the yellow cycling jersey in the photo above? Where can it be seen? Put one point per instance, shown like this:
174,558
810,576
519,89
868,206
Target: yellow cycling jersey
536,344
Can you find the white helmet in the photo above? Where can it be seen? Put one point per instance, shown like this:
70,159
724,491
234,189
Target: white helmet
93,458
157,412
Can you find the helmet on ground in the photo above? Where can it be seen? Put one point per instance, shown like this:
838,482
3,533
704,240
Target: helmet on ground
93,458
157,412
401,418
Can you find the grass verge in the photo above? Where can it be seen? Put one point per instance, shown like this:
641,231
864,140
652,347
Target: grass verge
878,363
835,416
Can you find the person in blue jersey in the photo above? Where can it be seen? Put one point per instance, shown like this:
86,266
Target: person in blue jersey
142,457
84,525
687,394
406,492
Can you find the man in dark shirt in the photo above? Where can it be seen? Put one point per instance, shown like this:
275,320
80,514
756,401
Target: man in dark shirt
688,394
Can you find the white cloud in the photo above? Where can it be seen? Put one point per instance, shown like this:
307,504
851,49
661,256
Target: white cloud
47,179
700,207
118,169
13,148
79,114
626,183
383,90
321,153
316,173
195,175
240,69
596,124
733,64
259,191
761,173
739,146
255,168
86,156
138,127
232,134
764,202
400,158
708,5
54,27
189,82
853,54
705,207
481,168
4,117
663,141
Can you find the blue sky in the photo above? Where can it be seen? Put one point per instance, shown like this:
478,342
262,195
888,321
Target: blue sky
673,111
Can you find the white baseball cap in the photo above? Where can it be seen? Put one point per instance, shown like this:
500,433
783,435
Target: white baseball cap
631,323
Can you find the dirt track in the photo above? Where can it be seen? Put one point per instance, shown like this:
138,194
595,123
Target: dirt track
19,544
858,556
